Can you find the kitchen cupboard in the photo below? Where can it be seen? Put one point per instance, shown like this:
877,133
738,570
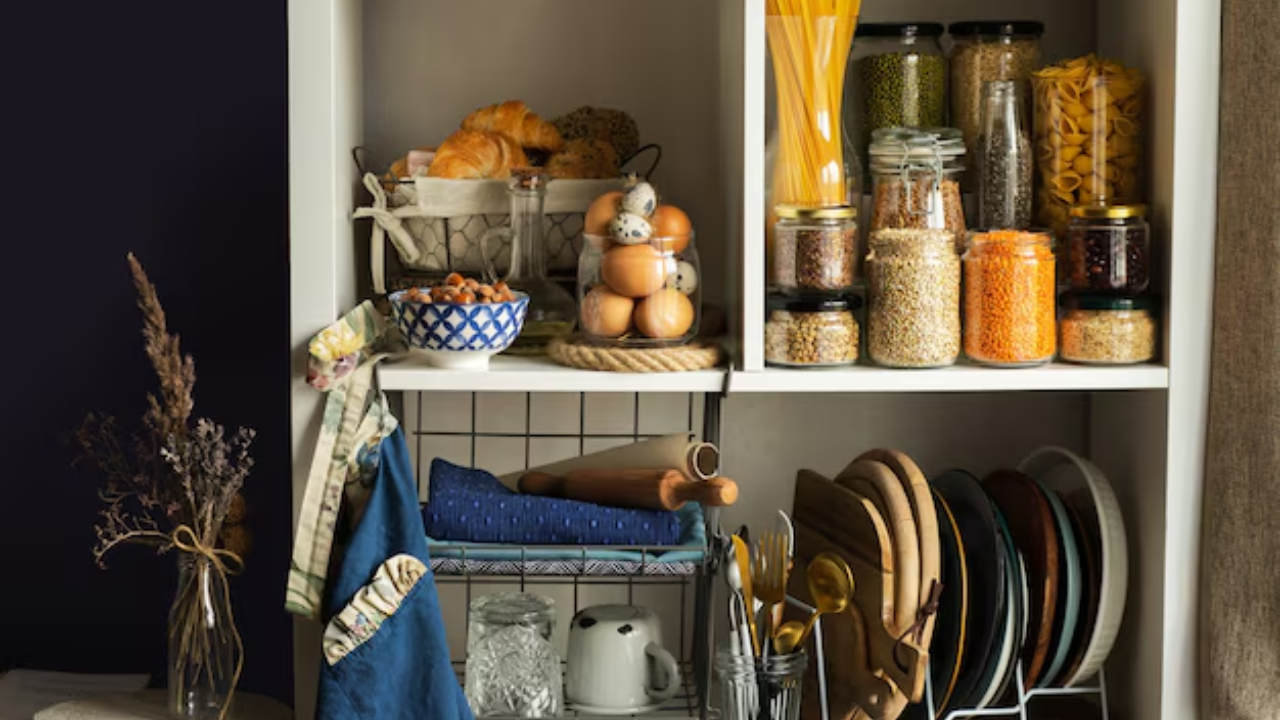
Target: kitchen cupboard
394,74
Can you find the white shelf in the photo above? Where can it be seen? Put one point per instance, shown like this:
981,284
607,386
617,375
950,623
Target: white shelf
960,378
518,374
521,374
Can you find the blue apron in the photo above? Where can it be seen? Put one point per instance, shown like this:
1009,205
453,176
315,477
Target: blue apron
388,659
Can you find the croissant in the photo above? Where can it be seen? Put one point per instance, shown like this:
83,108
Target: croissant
477,155
514,118
584,159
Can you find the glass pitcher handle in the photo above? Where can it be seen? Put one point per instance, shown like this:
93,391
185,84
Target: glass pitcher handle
485,255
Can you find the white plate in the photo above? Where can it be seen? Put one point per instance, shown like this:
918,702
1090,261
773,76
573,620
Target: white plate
1081,485
589,710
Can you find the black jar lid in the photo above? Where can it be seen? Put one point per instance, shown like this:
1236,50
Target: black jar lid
1090,301
930,30
814,303
995,28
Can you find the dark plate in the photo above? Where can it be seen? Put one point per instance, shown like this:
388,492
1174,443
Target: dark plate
1091,560
1002,664
988,590
1030,519
946,653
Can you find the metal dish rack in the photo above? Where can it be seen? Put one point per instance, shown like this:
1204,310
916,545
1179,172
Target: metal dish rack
685,590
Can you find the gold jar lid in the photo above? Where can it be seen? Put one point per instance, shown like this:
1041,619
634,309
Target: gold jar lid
1108,212
816,212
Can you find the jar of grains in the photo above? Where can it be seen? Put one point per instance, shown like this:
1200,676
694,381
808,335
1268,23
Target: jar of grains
1108,249
1010,308
811,332
915,179
903,74
1088,119
814,248
913,287
985,51
1108,330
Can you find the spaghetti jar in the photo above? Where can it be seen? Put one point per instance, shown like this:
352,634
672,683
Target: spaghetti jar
916,180
814,249
913,283
1010,309
1089,119
1108,249
1108,330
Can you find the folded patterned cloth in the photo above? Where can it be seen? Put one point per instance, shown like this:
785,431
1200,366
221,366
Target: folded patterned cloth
473,506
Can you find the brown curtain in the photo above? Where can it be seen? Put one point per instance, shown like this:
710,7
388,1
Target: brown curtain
1240,595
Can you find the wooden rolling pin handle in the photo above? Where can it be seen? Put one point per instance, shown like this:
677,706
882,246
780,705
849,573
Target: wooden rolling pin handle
540,483
716,492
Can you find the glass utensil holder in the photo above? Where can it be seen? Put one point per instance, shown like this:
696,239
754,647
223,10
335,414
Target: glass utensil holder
760,688
512,668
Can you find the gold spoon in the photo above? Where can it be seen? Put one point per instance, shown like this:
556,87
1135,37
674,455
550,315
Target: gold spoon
787,638
831,585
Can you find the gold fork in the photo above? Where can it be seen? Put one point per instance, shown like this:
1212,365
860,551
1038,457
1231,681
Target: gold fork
769,576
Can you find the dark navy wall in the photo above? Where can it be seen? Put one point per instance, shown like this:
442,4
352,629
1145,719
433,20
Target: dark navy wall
156,127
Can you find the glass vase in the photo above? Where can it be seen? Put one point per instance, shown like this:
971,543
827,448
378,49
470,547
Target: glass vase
205,652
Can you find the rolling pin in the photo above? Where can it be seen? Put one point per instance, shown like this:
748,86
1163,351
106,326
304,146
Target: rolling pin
644,489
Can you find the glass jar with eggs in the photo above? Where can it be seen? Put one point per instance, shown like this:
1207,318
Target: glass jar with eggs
638,274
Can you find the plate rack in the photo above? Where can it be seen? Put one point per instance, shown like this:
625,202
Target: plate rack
1020,708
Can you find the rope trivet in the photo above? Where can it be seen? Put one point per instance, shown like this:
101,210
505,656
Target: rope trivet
694,356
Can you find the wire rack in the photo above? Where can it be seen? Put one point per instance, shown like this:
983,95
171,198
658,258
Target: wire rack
503,432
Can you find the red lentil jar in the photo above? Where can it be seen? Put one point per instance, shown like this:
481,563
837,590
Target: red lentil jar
1010,298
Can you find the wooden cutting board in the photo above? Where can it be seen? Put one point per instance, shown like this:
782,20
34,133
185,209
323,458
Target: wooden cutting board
877,483
838,520
920,493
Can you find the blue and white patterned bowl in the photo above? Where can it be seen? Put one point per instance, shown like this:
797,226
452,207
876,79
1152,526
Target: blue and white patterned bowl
455,336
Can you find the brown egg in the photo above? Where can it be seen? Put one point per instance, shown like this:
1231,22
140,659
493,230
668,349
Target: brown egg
606,313
671,228
664,314
634,271
602,210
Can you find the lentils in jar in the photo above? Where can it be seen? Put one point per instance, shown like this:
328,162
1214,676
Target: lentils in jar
1108,249
811,332
913,279
1010,292
903,75
814,248
1108,330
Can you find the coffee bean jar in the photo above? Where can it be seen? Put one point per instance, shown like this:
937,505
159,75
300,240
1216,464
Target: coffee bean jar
811,332
814,249
1108,249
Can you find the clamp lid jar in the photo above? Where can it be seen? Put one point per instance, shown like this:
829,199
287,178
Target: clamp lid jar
915,175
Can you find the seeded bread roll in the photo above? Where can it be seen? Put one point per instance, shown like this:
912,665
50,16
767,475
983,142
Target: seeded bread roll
584,159
613,126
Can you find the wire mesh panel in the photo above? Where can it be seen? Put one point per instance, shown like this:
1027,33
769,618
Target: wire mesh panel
506,432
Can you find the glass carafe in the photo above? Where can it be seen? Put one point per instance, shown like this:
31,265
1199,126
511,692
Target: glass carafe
1004,159
552,311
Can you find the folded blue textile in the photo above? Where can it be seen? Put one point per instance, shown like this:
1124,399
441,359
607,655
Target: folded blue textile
473,506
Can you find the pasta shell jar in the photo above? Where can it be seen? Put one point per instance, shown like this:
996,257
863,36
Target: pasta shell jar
916,180
1010,308
1108,249
1088,129
638,274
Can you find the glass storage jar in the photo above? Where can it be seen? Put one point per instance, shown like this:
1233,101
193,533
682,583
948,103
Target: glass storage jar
1088,125
814,249
642,295
754,688
985,51
913,288
1010,309
915,178
811,332
1004,159
902,74
1108,249
512,668
1108,330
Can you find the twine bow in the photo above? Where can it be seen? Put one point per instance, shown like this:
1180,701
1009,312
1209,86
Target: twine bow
386,222
224,563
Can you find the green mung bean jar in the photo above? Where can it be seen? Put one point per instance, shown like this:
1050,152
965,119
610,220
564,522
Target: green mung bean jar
903,75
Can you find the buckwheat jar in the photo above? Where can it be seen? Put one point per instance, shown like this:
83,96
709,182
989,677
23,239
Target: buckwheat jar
913,285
